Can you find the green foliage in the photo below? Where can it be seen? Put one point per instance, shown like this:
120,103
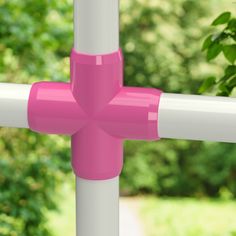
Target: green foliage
179,168
224,41
160,41
222,19
161,47
230,52
31,168
208,83
213,51
33,47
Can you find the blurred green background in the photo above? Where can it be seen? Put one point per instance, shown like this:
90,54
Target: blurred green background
191,182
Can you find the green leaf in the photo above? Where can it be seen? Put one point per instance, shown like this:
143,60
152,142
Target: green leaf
230,52
230,70
208,83
232,82
206,44
225,89
233,37
232,25
218,37
213,51
222,19
225,94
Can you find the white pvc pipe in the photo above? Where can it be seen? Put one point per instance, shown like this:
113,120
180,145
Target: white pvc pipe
97,207
96,26
96,31
197,117
13,105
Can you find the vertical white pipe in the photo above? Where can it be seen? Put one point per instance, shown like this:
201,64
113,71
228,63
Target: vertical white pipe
13,105
96,26
96,31
97,207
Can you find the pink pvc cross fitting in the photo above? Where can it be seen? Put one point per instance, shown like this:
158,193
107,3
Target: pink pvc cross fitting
97,111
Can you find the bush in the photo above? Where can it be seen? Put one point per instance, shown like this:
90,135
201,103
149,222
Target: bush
179,168
222,42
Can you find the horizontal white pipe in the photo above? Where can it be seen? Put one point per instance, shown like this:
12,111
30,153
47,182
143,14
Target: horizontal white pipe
97,207
197,117
13,105
96,26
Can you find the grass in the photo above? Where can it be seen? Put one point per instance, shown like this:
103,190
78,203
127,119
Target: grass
62,223
188,217
161,217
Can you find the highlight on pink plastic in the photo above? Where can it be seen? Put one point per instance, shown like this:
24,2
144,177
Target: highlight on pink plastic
97,111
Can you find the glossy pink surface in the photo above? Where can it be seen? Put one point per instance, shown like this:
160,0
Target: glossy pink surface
97,111
53,109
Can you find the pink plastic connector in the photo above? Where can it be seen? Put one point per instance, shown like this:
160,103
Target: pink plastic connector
97,111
